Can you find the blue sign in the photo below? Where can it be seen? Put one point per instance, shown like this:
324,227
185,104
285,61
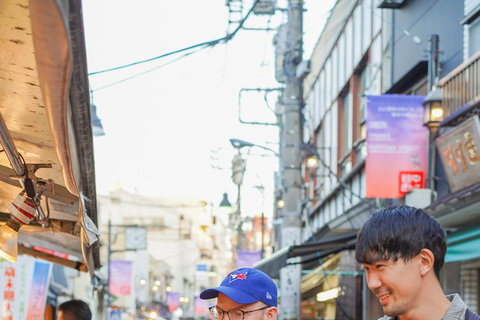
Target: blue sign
201,267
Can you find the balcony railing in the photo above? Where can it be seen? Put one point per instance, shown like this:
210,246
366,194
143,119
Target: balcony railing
461,86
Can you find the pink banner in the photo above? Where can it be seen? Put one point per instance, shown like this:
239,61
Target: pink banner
201,307
397,143
173,301
246,259
120,277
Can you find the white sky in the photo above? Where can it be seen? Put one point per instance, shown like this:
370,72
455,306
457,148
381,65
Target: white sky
161,127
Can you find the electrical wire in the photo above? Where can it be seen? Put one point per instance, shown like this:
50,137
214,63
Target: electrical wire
144,72
211,43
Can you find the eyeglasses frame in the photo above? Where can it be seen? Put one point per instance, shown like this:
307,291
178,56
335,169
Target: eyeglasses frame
228,311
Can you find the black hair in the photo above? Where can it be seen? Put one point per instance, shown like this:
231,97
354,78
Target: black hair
401,232
75,310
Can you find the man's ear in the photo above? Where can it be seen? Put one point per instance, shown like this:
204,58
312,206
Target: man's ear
271,313
427,260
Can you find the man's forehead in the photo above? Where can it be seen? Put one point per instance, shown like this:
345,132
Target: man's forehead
373,257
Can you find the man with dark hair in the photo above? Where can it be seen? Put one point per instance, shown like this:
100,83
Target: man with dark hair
402,250
245,293
74,310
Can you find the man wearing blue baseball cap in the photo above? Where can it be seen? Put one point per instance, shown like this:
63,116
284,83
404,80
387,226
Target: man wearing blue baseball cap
245,293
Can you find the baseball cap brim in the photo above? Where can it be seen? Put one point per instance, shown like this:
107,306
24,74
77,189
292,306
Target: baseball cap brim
233,293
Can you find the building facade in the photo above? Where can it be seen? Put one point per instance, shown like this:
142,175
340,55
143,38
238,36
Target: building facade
184,251
392,49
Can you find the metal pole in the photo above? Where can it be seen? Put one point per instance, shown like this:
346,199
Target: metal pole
10,149
433,61
291,140
239,219
263,234
108,272
433,66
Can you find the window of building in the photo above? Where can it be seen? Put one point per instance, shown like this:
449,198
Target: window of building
345,133
360,114
474,37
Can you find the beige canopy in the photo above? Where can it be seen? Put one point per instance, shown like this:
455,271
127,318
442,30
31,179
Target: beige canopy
45,105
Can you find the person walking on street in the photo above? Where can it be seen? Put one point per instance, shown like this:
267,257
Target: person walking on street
74,310
245,293
402,250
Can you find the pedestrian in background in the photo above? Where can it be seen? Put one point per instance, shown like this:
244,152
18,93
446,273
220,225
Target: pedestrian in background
74,310
245,291
402,250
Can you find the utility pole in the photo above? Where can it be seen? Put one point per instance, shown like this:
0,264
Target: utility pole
433,74
291,141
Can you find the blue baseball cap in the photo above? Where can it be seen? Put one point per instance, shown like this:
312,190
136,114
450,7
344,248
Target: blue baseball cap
245,285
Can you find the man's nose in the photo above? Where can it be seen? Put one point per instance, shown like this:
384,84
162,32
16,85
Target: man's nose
373,281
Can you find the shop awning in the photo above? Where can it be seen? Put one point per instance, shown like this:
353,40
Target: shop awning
45,107
306,252
463,244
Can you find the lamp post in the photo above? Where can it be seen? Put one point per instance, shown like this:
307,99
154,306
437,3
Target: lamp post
137,242
432,103
239,144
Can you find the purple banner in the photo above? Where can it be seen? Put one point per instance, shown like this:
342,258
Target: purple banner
173,301
120,277
246,259
201,307
397,143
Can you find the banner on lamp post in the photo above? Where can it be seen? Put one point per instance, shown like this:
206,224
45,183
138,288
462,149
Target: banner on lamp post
120,277
397,144
246,259
173,301
201,307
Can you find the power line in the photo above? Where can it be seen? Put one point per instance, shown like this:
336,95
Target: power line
205,44
145,72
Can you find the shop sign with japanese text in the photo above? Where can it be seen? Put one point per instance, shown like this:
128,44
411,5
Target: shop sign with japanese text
458,149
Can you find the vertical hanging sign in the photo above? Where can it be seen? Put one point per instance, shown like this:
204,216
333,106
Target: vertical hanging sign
120,277
38,294
397,143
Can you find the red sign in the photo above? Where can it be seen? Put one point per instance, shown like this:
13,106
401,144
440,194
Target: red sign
409,180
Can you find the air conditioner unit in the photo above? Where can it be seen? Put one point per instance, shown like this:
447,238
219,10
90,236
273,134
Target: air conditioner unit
420,198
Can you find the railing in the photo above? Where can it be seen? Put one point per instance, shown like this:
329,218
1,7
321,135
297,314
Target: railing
462,85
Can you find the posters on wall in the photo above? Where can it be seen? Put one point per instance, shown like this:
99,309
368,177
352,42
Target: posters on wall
397,143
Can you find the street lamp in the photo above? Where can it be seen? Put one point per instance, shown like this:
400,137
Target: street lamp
225,203
433,114
238,144
137,241
311,156
432,103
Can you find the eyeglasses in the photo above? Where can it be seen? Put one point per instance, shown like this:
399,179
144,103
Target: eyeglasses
234,314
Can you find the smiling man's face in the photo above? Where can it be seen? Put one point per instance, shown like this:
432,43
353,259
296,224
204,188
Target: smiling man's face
397,284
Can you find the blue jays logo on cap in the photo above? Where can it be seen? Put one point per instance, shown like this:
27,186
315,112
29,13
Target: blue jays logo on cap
257,287
236,276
